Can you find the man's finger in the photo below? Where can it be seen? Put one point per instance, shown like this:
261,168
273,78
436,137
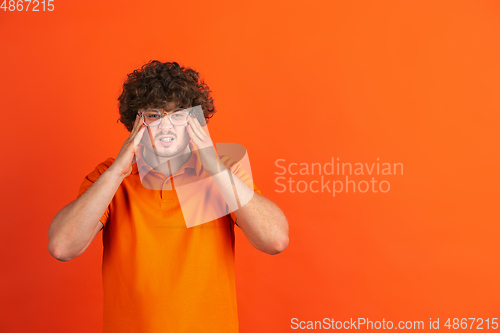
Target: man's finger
196,128
139,135
135,127
193,135
202,130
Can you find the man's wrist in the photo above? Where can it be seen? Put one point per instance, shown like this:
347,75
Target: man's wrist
113,175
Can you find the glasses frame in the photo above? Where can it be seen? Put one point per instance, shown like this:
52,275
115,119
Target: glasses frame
168,113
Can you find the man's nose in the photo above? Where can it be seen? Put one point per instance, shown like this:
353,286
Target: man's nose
165,122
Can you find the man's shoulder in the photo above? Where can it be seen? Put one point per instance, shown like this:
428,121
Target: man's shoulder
94,175
103,166
227,160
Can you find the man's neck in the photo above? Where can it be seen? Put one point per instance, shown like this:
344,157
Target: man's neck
175,162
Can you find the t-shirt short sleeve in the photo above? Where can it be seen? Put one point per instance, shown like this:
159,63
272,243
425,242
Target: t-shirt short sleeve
242,174
91,178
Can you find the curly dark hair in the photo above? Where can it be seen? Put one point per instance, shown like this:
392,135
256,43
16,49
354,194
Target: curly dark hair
156,84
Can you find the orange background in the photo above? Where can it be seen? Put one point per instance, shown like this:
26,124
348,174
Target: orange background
412,82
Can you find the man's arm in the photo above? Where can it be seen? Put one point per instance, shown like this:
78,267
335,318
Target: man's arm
75,226
260,219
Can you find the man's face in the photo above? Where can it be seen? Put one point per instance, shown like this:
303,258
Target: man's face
179,135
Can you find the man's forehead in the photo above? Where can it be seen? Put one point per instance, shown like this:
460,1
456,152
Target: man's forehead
165,107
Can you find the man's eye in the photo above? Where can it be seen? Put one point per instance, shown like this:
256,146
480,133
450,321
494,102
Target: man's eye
153,116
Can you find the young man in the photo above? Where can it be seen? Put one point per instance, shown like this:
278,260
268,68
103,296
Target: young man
159,273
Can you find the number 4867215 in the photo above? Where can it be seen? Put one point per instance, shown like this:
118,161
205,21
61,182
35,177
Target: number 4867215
27,5
472,323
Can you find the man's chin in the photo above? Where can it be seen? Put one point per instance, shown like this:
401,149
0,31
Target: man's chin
168,152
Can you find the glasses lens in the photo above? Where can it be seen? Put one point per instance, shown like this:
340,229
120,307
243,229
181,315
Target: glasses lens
179,118
152,118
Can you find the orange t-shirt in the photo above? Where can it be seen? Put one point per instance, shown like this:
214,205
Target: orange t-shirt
159,275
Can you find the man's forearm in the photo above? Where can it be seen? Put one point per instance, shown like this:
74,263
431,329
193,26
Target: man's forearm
72,228
260,219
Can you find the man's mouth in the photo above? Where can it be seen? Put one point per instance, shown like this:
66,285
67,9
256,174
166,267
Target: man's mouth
166,138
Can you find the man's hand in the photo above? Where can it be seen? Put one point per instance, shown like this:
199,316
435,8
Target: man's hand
209,158
122,166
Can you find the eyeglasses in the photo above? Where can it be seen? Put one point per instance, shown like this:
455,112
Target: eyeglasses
178,117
